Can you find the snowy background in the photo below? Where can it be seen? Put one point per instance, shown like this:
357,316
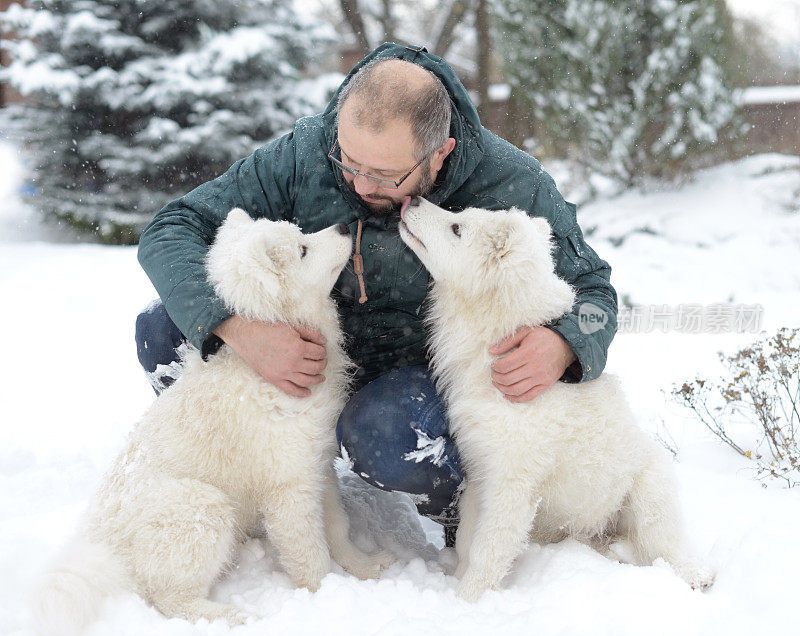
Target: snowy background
71,388
779,17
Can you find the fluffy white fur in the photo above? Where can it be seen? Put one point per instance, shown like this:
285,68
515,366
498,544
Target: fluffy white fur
222,453
571,462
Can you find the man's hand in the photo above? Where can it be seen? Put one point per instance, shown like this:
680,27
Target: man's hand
291,359
538,363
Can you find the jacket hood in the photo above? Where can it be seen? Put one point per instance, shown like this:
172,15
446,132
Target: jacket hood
465,126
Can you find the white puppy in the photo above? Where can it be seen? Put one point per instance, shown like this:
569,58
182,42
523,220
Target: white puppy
223,453
571,462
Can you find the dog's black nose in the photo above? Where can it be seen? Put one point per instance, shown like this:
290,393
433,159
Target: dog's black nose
342,228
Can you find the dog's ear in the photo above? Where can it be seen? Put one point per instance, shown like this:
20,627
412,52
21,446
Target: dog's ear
237,216
270,281
500,240
541,226
267,271
279,253
540,235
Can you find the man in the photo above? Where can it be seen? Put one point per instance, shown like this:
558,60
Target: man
401,124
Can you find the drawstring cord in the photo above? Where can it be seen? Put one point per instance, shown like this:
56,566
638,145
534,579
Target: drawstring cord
358,265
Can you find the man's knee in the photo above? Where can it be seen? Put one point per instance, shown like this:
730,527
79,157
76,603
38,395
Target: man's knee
157,343
388,410
394,431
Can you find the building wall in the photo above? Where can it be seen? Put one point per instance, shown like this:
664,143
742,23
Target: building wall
775,128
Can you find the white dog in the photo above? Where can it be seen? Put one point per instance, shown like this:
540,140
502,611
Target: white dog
571,462
223,453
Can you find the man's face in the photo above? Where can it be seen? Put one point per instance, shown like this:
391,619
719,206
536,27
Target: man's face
387,154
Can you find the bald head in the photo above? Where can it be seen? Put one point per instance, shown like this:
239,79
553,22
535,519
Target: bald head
386,90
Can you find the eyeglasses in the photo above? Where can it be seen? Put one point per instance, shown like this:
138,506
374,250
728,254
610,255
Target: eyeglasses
380,181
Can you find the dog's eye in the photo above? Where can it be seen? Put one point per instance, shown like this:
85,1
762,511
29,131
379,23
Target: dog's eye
303,250
456,229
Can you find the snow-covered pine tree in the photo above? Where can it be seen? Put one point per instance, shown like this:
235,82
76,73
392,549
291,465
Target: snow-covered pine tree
132,102
625,87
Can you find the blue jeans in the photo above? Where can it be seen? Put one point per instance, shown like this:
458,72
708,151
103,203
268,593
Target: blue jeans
393,431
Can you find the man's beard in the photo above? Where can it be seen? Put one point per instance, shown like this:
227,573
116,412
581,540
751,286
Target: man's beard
389,205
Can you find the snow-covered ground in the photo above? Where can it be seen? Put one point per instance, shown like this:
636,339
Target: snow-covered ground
70,388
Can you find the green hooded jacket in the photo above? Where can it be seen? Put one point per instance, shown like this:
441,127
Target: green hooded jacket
292,179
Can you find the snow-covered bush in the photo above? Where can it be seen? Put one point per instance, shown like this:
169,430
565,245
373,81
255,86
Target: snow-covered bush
627,88
131,103
755,408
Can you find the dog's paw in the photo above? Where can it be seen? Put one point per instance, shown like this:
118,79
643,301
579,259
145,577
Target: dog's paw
471,589
368,566
311,583
699,575
236,617
309,575
383,559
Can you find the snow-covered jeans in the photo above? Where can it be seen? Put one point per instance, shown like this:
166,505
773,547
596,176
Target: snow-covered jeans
393,432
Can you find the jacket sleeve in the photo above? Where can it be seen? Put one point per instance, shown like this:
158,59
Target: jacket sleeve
591,325
173,246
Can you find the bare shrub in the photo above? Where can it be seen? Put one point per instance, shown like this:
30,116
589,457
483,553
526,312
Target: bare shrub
761,387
